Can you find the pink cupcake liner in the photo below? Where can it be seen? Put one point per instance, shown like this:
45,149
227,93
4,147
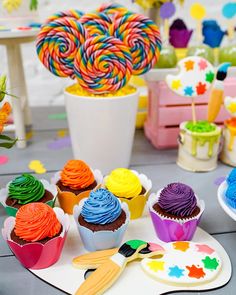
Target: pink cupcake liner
36,255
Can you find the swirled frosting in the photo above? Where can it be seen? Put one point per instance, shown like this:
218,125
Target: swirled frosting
231,192
231,179
178,199
77,175
123,183
26,189
35,222
101,207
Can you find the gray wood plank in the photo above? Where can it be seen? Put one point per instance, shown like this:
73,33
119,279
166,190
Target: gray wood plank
15,283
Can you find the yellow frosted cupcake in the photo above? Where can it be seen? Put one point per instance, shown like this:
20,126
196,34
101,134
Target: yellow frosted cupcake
130,187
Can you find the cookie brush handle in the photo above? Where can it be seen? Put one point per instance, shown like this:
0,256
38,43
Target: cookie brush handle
104,277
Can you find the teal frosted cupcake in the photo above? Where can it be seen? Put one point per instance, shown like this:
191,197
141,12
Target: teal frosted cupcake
26,189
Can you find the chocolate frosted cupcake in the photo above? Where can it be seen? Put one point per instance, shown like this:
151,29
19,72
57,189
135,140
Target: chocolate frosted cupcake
37,234
26,189
102,220
175,211
130,187
75,182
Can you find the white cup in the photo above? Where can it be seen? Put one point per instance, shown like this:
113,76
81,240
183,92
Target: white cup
102,129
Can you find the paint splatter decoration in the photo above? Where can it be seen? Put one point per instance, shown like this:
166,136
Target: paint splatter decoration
194,78
184,263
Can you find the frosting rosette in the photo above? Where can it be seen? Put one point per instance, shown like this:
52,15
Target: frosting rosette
123,183
76,174
178,199
231,179
25,189
102,207
35,222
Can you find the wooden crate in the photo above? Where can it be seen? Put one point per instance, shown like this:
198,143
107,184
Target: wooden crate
166,111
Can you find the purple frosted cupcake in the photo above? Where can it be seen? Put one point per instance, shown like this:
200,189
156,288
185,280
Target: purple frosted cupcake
175,211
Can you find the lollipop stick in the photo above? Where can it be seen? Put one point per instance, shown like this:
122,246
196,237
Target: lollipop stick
199,31
166,29
193,112
230,30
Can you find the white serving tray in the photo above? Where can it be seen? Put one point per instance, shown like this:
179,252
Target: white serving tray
67,278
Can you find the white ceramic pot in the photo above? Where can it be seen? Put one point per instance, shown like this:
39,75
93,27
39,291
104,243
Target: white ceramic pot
102,129
198,152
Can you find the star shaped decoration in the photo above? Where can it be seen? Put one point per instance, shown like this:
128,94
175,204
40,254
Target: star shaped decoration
156,265
181,246
176,84
205,248
176,272
209,263
232,107
210,77
195,272
201,88
202,65
188,91
189,65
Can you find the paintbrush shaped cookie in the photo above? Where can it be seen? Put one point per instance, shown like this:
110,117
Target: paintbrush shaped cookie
107,273
95,259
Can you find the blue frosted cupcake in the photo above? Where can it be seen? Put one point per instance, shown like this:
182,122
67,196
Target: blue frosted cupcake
231,179
102,220
230,195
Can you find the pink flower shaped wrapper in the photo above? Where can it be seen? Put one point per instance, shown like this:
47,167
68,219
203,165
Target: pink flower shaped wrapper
170,230
36,255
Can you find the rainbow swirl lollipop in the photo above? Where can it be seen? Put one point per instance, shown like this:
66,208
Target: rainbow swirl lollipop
112,9
96,23
57,45
142,36
73,13
103,64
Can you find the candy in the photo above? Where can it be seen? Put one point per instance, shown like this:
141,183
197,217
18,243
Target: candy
96,23
141,36
103,64
58,43
73,13
112,8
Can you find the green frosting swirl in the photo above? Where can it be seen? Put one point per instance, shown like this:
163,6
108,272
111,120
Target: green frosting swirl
26,189
200,127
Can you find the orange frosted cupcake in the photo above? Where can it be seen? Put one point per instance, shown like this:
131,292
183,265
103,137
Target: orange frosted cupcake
75,182
37,234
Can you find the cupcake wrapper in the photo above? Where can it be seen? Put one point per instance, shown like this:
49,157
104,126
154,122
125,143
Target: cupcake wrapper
36,255
136,205
68,200
11,211
100,240
180,38
170,230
